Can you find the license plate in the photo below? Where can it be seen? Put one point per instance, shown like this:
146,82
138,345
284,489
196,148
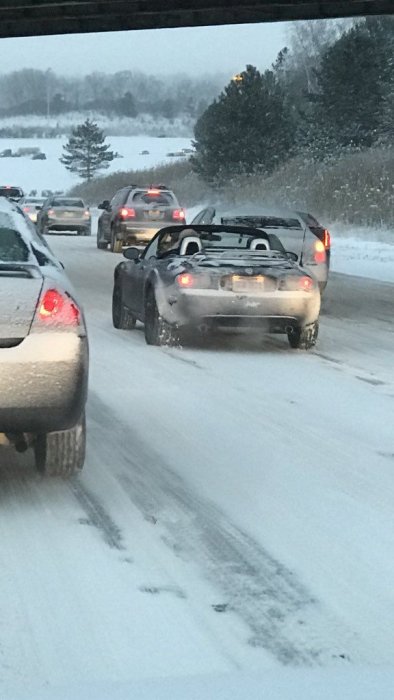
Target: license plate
68,214
248,284
155,214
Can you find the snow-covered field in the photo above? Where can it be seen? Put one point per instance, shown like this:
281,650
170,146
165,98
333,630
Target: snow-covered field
363,251
234,517
51,174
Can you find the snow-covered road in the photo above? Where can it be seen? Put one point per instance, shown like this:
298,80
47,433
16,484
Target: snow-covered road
235,512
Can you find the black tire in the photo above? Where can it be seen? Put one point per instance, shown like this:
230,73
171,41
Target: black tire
304,338
156,330
101,244
122,318
61,453
115,245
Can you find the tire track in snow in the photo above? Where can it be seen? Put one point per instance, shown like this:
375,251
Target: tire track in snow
97,516
282,616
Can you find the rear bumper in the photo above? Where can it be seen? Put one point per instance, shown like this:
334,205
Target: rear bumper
68,225
273,310
138,234
43,383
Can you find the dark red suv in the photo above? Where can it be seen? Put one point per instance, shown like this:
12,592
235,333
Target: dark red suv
135,214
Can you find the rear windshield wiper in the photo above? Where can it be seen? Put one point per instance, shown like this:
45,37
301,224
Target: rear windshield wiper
12,269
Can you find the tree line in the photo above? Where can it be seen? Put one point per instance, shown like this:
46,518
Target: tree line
330,91
124,94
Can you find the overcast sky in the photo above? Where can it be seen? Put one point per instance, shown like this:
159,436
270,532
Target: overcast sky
194,50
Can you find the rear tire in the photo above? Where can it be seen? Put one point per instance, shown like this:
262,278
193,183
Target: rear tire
101,244
122,318
61,453
156,330
116,245
304,338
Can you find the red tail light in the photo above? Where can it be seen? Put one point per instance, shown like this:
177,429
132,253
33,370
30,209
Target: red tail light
127,213
26,209
51,212
153,192
57,308
320,252
178,215
185,280
306,284
326,239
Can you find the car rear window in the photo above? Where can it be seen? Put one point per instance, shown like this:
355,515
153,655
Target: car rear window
67,203
164,198
12,246
11,192
263,222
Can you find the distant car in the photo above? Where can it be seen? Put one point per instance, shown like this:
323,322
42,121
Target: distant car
39,156
44,350
215,277
295,230
63,214
144,153
31,206
11,192
135,214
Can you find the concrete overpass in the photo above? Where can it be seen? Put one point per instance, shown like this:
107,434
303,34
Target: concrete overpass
40,17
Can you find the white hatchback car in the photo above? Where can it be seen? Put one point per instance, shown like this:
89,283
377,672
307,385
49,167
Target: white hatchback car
299,233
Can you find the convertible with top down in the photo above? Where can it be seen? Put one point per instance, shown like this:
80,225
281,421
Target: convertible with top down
215,278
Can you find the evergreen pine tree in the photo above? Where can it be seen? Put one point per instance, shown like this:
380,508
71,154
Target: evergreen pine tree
85,152
248,129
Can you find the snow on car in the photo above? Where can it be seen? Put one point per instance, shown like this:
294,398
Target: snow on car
43,350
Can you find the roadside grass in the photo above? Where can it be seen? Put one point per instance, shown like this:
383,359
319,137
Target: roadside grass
357,188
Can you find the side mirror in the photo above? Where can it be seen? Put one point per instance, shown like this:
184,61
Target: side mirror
292,256
131,253
38,207
104,204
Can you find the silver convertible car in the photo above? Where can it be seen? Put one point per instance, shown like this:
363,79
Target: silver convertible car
43,350
215,277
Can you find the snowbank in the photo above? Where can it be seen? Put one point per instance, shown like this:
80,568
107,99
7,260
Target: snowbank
365,252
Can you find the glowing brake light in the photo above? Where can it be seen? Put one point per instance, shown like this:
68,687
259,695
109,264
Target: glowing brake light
185,280
127,213
58,308
326,239
25,209
152,193
178,215
87,214
320,252
306,284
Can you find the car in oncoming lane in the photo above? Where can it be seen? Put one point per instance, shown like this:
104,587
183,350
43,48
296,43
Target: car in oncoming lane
135,214
64,214
299,232
215,278
43,350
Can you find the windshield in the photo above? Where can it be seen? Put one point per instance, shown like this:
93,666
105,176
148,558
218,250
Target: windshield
68,203
196,350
